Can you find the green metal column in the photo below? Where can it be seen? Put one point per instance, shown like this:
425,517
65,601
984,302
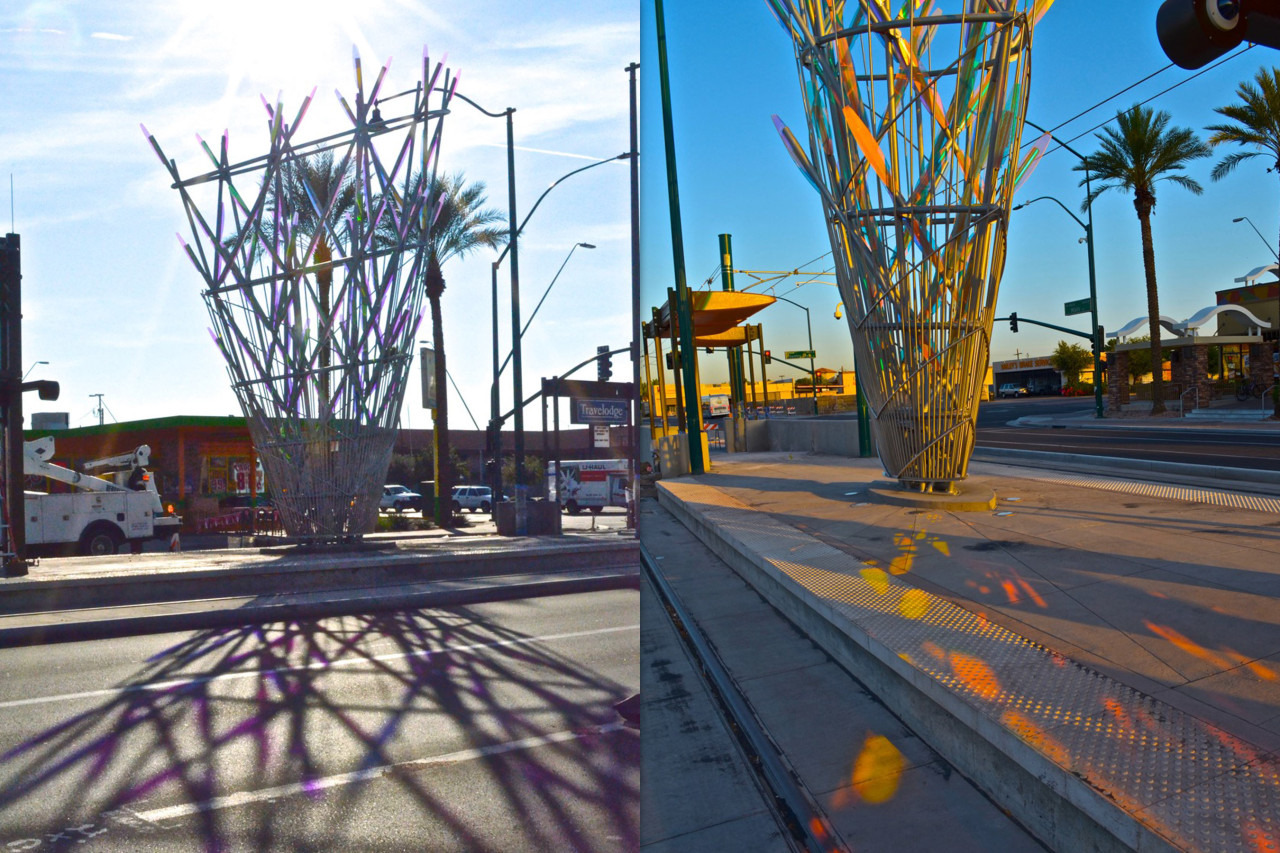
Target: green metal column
737,377
692,401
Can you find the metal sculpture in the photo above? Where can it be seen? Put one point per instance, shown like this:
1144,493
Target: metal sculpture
316,298
915,124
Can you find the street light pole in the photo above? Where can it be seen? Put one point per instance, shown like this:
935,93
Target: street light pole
1275,326
1093,280
545,294
496,419
813,376
1093,287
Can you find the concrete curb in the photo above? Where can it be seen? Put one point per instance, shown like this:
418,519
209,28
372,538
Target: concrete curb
1061,809
257,576
1217,476
334,603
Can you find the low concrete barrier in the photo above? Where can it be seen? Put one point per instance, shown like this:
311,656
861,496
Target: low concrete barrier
1219,476
150,582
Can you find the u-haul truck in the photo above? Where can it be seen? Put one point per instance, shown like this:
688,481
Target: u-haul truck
589,484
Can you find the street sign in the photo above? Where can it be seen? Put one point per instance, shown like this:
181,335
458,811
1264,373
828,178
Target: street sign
801,353
1080,306
428,362
598,411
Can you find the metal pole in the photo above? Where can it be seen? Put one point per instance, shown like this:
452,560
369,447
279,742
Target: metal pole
636,334
662,381
737,391
495,403
677,362
513,245
15,510
1093,285
764,374
813,374
692,405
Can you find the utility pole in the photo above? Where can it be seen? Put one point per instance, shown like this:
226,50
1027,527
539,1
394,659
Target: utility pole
99,396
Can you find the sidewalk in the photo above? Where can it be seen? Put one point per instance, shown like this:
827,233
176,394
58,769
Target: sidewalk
1102,658
87,597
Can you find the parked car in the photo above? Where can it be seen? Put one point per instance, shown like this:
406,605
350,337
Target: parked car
1012,389
399,498
474,498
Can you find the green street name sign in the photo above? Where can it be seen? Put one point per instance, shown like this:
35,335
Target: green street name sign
801,353
1080,306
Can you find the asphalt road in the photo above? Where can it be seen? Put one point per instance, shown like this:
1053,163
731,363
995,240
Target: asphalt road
1235,448
489,727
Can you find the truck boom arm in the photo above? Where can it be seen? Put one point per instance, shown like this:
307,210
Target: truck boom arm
35,459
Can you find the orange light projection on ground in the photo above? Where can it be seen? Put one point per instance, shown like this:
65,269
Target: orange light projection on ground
877,770
1229,659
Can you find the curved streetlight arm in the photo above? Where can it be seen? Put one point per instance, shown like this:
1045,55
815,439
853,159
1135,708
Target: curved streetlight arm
520,229
1059,204
1093,278
545,293
813,375
1259,233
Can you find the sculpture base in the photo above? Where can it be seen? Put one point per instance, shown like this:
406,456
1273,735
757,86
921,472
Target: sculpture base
967,496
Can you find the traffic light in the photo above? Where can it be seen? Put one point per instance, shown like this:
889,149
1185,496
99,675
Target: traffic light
604,363
1013,321
1193,33
768,359
672,362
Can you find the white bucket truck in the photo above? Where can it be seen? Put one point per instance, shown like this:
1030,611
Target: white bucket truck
102,513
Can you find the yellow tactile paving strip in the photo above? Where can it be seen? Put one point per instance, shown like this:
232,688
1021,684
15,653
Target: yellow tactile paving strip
1197,786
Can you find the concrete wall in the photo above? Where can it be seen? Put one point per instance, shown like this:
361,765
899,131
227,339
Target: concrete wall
832,437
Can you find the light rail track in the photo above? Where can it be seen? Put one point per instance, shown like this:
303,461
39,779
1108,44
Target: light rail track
802,819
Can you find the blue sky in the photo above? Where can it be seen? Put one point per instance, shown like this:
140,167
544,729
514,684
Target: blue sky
114,306
732,67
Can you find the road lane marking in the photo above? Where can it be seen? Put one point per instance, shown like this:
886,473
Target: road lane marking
320,665
311,786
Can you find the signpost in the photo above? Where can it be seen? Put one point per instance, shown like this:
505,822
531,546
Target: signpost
1080,306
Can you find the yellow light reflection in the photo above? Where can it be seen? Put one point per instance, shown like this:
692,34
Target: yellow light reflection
914,604
876,579
877,770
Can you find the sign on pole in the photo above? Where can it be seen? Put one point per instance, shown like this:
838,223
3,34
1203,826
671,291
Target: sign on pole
428,361
598,411
600,432
1080,306
801,353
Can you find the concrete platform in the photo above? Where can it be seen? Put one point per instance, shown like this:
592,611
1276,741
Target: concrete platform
1101,655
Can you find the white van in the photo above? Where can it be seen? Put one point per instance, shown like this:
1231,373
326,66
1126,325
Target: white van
715,406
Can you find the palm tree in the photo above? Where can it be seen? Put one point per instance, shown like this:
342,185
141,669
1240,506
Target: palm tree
332,187
462,225
1136,154
1255,123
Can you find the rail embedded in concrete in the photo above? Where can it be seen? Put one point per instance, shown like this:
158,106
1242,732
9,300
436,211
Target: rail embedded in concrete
1083,760
799,812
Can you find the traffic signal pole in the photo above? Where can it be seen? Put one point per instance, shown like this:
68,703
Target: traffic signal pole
680,306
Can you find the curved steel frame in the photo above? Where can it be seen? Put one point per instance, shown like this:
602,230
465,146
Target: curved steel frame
320,378
916,163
